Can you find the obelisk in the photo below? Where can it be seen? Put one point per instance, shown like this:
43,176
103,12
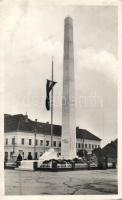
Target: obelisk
68,141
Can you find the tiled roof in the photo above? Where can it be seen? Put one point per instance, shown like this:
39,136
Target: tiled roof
110,149
13,123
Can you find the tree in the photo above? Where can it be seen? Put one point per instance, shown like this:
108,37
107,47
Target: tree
82,153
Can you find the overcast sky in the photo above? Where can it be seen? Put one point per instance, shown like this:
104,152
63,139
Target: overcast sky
33,34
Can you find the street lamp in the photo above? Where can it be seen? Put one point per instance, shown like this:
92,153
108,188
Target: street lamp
83,148
44,142
13,153
13,144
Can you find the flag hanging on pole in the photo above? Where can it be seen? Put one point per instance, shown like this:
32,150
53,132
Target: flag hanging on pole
49,86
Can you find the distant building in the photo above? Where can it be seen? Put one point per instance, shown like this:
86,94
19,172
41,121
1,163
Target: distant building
25,136
110,150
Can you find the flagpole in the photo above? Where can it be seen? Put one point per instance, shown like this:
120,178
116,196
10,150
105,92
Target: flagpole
52,108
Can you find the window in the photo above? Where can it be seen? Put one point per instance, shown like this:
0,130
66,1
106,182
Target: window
92,146
85,145
47,142
82,146
6,140
41,142
36,142
6,156
41,153
78,145
36,155
30,141
11,154
23,154
22,141
13,140
59,144
54,143
89,146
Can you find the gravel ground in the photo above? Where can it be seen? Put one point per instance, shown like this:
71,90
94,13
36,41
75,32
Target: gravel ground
86,182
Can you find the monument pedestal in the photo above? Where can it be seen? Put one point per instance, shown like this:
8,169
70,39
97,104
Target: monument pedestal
26,165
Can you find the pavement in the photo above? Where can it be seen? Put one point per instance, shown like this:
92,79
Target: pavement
84,182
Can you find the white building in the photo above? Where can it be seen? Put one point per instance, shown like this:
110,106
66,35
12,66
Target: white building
25,136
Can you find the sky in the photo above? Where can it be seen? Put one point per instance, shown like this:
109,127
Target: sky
32,34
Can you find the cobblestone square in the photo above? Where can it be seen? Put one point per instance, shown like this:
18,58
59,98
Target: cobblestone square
85,182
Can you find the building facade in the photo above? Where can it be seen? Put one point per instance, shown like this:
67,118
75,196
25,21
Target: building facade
24,136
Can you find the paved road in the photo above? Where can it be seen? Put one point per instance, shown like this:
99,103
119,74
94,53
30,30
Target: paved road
61,183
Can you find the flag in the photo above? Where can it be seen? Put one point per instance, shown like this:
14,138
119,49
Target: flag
49,86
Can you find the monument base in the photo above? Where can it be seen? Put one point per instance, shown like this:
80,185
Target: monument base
26,165
50,154
30,164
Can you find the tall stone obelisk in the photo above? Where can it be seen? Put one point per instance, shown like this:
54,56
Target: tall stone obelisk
68,143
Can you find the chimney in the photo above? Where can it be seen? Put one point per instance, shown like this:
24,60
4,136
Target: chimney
26,117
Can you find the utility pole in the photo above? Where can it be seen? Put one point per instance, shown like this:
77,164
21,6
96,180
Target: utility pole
83,148
44,142
35,131
13,144
13,147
